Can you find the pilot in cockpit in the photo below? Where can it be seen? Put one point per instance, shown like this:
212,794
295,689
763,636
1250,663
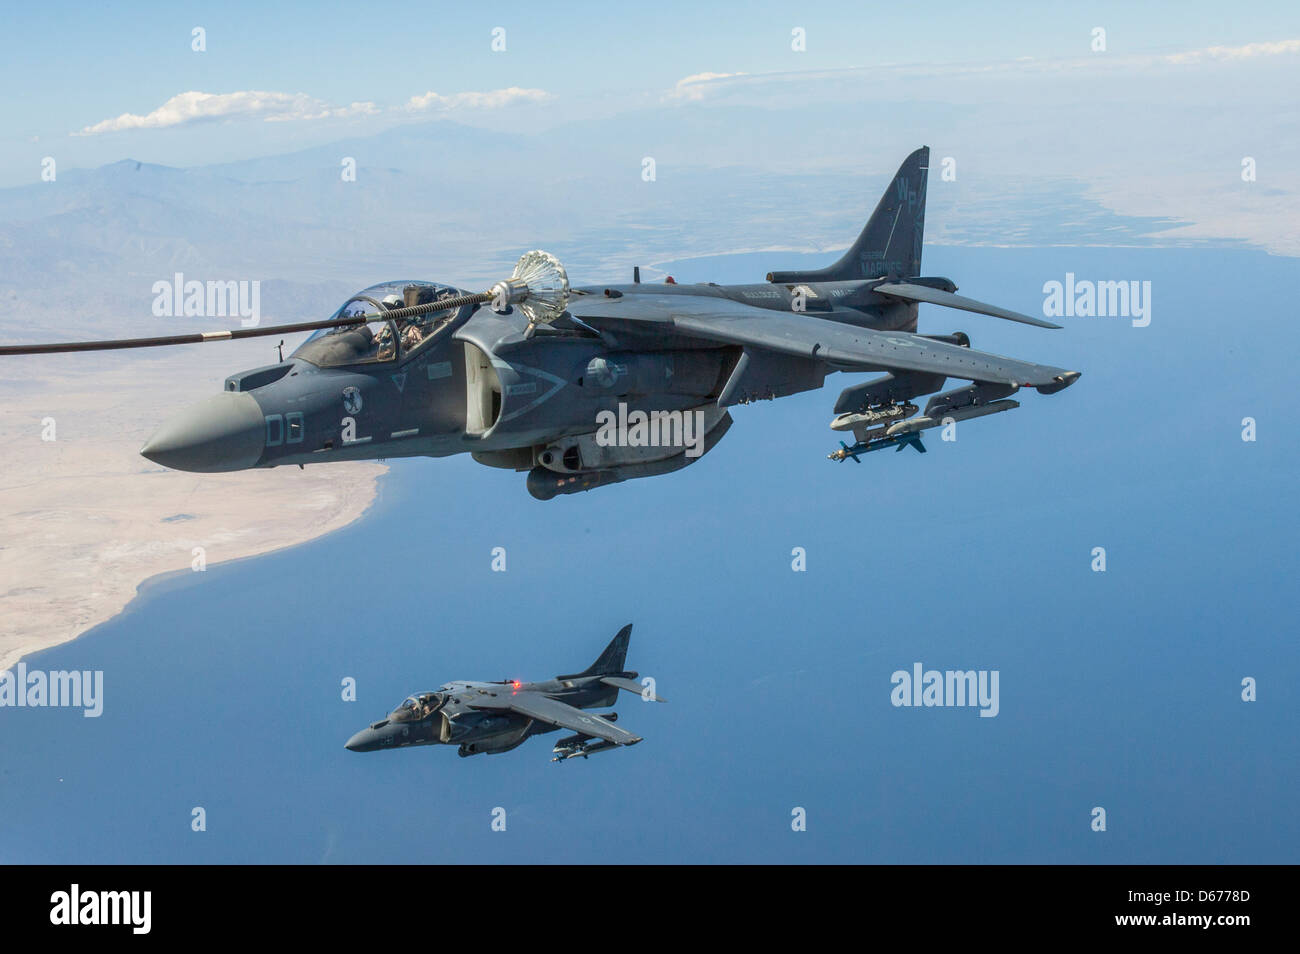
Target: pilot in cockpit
414,329
384,339
407,711
412,334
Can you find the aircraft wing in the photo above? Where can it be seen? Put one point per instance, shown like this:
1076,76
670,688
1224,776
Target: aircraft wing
846,347
545,709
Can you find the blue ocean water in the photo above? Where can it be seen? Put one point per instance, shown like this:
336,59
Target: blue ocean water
1119,690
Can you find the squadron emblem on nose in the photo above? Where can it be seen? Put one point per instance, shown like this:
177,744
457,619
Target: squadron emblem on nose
352,400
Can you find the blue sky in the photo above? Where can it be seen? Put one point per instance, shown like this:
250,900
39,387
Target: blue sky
1154,128
68,67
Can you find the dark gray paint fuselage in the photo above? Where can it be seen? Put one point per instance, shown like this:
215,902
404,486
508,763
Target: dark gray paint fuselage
416,405
458,722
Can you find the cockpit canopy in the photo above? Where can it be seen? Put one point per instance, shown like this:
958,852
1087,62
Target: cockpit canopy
415,708
381,339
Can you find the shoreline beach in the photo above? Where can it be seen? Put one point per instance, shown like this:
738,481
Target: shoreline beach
86,521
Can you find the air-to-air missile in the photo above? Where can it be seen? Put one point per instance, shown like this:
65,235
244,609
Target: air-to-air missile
908,432
890,424
580,744
866,447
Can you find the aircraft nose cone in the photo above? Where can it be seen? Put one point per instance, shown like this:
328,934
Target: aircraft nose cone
225,432
363,741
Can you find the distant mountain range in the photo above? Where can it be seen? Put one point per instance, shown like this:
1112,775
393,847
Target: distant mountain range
79,256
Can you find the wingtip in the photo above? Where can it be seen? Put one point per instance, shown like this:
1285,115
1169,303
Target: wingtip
1059,383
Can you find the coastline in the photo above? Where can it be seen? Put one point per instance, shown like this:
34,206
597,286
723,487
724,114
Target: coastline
87,521
65,616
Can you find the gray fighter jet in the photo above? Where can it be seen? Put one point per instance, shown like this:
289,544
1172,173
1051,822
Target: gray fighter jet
582,387
498,716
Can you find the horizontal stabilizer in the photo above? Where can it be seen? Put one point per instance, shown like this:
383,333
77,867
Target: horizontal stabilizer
937,296
631,685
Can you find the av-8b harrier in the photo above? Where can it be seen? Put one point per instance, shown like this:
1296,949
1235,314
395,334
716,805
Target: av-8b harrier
499,716
583,387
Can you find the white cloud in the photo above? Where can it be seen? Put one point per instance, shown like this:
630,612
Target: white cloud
1250,50
694,87
491,99
701,85
195,106
287,107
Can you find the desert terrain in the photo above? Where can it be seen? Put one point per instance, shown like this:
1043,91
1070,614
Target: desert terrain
84,519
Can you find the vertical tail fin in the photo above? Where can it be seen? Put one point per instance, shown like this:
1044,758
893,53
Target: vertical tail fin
615,654
889,246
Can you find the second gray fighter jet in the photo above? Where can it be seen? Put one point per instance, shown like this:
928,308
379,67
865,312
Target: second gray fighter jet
498,716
